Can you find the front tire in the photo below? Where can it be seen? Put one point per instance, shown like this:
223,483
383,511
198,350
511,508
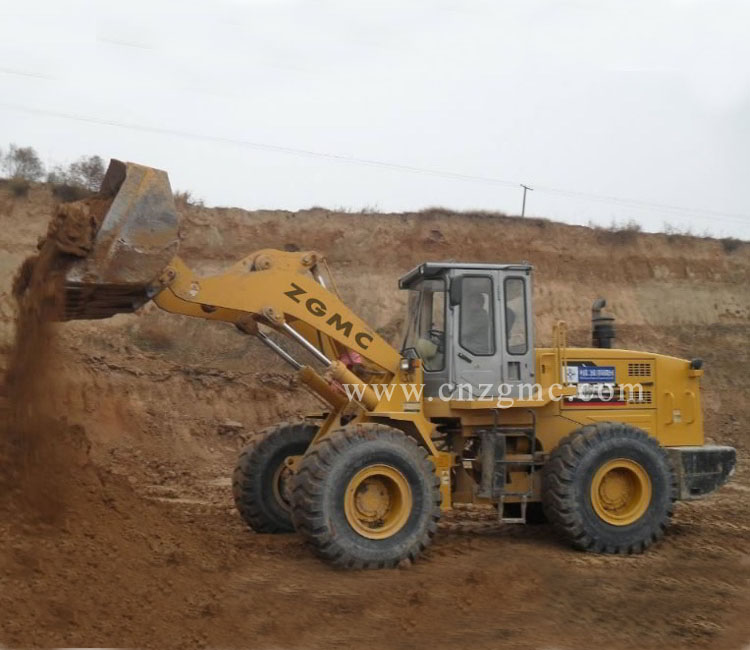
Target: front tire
367,496
259,482
609,488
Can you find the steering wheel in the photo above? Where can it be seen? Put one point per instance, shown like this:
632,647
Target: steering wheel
438,338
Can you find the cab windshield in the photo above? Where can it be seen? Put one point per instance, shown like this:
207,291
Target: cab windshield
425,324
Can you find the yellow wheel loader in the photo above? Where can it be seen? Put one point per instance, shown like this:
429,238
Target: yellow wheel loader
599,441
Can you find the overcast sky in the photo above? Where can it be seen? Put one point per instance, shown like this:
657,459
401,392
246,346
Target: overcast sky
639,100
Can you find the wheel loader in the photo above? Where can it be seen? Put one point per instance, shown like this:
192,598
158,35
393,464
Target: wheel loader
598,441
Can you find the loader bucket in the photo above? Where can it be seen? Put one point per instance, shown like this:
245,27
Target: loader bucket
114,266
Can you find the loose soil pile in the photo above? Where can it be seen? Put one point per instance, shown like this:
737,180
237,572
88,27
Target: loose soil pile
119,436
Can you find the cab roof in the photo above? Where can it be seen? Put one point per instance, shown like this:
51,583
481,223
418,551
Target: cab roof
435,269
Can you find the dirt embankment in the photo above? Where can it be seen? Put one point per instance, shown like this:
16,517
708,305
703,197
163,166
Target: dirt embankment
129,538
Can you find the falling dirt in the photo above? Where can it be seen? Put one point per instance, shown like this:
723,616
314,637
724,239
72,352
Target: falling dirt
117,440
75,225
27,433
36,444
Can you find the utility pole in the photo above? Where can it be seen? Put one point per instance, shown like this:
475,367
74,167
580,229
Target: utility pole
523,207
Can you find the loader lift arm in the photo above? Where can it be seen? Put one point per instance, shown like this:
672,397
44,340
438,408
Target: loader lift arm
277,288
284,291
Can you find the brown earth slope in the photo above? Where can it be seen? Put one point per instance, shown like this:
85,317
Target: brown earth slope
117,528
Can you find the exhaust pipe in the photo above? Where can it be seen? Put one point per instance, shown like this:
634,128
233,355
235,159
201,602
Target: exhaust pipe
602,325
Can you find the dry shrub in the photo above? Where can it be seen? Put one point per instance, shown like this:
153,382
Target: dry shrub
677,234
185,198
539,222
19,186
439,211
619,234
731,244
436,211
66,193
23,163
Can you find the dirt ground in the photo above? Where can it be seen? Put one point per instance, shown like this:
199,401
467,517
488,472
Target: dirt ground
116,523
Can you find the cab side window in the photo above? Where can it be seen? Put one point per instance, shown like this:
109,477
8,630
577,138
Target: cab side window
432,342
477,322
515,316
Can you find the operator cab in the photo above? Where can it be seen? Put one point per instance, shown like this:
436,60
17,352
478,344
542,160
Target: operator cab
470,324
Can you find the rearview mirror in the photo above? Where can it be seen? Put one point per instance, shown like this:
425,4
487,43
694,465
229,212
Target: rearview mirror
456,291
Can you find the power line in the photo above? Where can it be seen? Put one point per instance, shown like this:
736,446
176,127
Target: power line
636,203
22,73
259,145
262,146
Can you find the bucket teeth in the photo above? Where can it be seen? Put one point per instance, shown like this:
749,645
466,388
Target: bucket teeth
101,301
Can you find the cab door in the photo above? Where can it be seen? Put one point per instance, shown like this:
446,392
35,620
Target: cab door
516,336
477,357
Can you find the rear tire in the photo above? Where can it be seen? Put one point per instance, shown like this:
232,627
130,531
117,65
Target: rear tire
258,479
609,488
367,496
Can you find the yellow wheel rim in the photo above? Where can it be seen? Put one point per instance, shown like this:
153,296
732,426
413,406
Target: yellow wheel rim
378,501
621,491
279,486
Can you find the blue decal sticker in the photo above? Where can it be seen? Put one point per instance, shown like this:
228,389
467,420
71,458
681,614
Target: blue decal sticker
596,374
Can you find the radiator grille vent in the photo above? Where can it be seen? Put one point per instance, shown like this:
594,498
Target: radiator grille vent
639,369
640,397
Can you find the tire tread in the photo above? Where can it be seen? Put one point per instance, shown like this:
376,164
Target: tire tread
559,479
251,463
310,485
